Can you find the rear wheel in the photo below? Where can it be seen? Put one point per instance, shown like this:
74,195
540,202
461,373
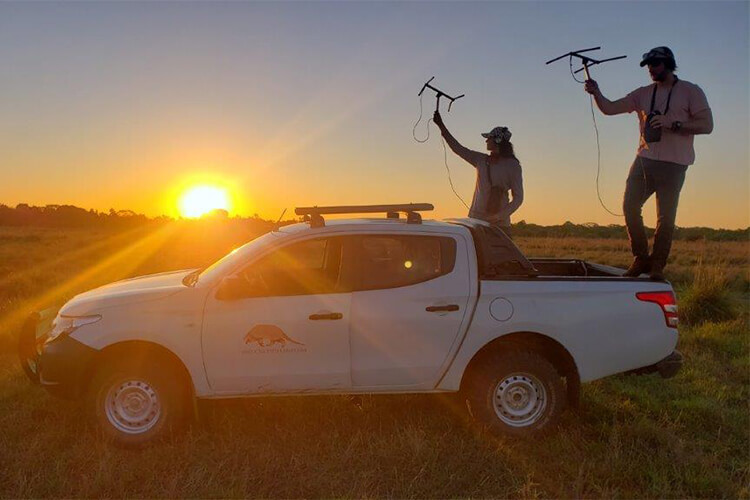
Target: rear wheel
135,404
516,392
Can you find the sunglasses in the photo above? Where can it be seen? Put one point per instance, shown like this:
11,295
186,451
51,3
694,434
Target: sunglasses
655,62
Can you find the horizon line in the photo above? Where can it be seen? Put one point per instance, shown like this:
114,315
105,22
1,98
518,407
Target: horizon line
259,217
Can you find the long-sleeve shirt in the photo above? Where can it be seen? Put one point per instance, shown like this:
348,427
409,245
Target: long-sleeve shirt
488,204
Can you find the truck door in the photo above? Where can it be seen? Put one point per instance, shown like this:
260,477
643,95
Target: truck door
288,330
408,307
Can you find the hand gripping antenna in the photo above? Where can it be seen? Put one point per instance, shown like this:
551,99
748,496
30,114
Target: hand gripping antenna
439,94
585,60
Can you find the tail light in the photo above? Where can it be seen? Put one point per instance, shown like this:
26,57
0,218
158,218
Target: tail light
666,301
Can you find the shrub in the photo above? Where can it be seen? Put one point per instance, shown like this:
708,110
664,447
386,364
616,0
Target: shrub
708,297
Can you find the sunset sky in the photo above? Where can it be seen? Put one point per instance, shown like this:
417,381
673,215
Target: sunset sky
126,105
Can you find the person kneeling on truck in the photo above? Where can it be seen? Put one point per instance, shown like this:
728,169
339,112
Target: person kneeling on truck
497,174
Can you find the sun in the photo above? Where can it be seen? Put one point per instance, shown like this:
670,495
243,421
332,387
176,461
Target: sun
199,200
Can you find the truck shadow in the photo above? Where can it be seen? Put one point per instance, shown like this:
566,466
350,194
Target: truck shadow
331,415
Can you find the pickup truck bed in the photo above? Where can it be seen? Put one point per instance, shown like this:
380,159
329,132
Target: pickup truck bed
572,268
500,259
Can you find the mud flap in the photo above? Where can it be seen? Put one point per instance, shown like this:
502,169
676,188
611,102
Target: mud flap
669,366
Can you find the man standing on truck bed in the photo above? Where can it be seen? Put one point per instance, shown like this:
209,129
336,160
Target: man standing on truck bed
670,112
497,174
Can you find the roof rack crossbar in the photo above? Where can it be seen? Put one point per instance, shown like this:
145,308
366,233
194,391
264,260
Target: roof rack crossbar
314,214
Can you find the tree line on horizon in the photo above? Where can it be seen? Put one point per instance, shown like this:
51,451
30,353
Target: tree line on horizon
61,216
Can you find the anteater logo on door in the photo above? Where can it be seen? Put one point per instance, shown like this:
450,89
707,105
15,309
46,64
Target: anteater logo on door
272,339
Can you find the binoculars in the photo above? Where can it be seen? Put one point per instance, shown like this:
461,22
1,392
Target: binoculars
651,134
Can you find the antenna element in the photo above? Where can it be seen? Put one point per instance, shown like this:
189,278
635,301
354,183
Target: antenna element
439,94
585,60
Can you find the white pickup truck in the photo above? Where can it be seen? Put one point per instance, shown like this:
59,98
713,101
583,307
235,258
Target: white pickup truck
379,305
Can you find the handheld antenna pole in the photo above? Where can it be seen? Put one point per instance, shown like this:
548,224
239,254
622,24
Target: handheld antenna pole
439,93
585,60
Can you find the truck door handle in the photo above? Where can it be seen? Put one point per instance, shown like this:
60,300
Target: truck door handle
449,308
326,316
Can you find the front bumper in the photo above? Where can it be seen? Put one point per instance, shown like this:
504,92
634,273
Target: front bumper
59,366
667,367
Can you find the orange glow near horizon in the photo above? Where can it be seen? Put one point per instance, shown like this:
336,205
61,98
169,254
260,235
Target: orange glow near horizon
199,200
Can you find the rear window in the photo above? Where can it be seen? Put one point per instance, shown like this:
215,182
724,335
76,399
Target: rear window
390,261
498,256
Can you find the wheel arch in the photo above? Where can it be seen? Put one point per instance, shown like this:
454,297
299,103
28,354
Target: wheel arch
548,347
145,352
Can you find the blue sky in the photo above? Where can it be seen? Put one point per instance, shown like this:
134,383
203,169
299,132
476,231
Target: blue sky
124,104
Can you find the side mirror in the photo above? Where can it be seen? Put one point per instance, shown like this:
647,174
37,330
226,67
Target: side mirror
234,287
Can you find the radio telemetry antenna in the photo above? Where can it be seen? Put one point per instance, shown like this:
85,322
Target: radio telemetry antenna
585,60
439,93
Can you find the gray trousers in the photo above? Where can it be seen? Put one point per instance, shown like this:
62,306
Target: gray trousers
647,177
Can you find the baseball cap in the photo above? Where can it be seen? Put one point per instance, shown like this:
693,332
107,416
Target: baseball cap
657,53
498,133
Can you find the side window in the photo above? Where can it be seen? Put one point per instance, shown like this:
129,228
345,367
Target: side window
390,261
304,268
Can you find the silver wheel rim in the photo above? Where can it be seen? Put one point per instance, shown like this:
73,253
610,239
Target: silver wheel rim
519,400
132,407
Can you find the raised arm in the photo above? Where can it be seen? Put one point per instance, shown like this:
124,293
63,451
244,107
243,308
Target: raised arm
473,157
605,105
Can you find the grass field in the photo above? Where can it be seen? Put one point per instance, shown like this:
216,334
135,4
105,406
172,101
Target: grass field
634,436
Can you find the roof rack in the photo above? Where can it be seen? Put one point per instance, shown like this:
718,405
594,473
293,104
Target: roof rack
314,214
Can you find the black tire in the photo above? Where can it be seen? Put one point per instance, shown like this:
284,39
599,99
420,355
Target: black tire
139,403
516,392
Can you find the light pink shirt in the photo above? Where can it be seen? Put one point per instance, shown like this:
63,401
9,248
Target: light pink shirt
687,100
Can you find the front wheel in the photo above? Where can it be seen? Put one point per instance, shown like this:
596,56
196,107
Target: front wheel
136,404
516,392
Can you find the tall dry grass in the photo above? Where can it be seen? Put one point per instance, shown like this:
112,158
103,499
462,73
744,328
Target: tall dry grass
708,297
731,257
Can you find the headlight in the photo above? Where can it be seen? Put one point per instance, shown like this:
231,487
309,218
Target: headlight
65,325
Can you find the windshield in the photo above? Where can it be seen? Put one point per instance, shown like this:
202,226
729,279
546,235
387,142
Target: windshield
229,261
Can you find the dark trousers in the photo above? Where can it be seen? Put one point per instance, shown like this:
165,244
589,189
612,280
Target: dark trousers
647,177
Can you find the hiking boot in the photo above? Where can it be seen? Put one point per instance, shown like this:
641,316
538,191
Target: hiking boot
639,266
656,272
